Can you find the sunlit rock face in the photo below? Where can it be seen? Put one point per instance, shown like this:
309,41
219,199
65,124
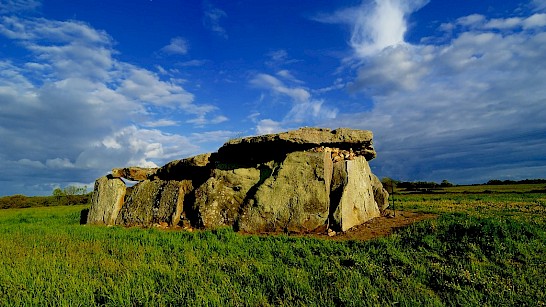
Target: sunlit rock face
300,181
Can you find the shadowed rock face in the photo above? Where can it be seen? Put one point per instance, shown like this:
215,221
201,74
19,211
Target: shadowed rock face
305,180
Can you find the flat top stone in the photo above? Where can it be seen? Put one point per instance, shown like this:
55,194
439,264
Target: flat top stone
275,146
134,173
311,136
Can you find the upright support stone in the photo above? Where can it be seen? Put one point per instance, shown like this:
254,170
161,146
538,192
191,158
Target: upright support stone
107,201
295,198
380,194
357,204
219,200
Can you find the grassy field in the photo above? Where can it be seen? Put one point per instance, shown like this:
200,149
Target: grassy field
484,249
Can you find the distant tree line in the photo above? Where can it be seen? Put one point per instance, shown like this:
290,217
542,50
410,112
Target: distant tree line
526,181
391,184
70,195
423,186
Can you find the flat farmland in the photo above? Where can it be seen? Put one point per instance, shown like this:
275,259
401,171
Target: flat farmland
481,247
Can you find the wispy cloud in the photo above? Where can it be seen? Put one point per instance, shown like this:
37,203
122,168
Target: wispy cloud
16,6
304,108
279,58
212,17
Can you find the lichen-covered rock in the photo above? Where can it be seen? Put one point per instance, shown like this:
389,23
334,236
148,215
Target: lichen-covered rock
219,200
153,202
107,200
294,198
179,218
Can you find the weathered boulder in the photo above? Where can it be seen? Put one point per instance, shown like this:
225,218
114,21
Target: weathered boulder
305,180
133,173
107,200
294,196
219,200
154,202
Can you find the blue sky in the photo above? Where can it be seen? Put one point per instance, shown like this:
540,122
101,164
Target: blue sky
452,90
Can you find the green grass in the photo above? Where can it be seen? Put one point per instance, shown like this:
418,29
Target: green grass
484,249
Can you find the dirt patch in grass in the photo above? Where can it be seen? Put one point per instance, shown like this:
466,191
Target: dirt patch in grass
375,228
381,226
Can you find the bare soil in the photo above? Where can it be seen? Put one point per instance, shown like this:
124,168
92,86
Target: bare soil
382,226
377,227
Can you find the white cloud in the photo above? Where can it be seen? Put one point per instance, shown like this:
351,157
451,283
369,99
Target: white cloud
266,81
160,123
268,126
137,147
202,120
70,112
144,86
375,25
474,103
59,163
535,21
287,75
178,45
473,20
503,23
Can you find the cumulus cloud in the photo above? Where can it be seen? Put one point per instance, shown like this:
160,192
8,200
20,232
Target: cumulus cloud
268,126
71,112
468,108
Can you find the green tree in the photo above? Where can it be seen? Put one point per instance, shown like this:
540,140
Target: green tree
58,192
446,183
70,195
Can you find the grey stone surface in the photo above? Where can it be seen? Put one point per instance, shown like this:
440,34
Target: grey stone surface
107,200
305,180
